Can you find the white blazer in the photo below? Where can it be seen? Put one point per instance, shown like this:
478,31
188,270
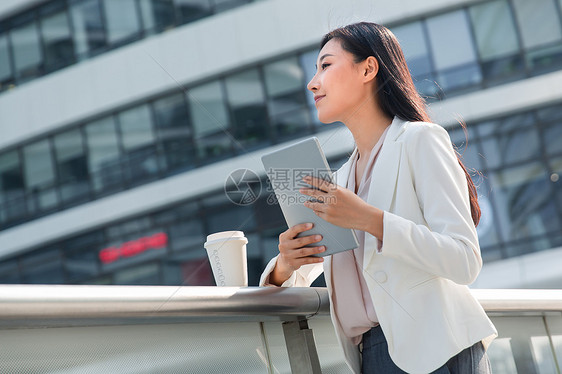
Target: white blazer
430,252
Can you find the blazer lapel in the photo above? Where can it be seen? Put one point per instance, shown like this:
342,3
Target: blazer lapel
385,170
342,175
383,180
383,176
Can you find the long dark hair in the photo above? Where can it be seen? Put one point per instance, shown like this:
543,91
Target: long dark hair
396,92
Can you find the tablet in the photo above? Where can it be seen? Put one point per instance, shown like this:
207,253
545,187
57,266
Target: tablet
285,169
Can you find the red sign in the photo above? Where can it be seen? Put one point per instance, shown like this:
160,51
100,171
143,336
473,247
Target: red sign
133,247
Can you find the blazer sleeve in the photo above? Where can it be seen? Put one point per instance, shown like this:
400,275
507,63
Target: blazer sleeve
300,278
447,245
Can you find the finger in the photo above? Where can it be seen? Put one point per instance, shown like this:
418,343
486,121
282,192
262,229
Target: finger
292,247
317,194
315,206
305,240
309,260
297,229
309,251
320,183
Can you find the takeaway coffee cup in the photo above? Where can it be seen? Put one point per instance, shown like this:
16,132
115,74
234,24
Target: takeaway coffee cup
227,255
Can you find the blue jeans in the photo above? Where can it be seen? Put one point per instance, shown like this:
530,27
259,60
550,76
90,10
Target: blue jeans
376,360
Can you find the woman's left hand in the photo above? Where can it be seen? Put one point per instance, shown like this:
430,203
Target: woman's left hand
339,205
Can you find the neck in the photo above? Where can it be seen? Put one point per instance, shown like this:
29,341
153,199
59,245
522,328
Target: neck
367,126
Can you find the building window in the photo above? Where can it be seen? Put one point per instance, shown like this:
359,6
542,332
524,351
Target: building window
191,10
157,14
57,41
221,214
174,132
249,113
510,148
222,5
211,124
104,156
27,50
523,202
496,39
539,23
43,267
9,272
89,32
5,65
12,193
81,256
40,177
555,166
72,166
509,140
518,194
467,147
438,49
413,42
287,104
122,20
488,228
188,269
58,33
141,158
453,51
552,131
145,274
131,243
186,234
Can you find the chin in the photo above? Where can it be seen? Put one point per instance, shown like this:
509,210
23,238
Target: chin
326,118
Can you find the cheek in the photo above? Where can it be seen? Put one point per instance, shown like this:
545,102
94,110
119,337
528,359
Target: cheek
348,94
343,96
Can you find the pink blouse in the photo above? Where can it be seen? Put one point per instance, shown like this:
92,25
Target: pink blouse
352,302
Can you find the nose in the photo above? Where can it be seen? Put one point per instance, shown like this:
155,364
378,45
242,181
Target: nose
313,84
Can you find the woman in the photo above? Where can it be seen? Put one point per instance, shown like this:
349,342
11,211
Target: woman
400,301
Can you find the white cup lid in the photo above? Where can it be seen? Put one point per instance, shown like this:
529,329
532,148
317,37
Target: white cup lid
225,235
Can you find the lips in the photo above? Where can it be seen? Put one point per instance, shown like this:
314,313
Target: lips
318,98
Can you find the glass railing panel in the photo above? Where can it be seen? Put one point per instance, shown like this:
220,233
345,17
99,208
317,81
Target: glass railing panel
523,346
273,332
501,356
329,352
165,348
71,329
554,325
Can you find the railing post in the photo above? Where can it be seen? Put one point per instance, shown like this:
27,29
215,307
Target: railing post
522,349
301,348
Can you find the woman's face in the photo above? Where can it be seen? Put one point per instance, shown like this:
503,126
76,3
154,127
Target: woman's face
338,85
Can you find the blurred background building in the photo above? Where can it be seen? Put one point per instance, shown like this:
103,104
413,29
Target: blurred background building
121,120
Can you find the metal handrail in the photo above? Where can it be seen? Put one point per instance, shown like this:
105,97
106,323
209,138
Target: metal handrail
519,300
46,305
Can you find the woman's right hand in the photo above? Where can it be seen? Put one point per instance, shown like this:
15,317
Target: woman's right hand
293,254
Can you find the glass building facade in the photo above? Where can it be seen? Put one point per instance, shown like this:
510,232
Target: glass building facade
491,43
516,158
469,48
60,33
179,131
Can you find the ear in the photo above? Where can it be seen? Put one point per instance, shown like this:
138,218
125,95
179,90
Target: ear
370,69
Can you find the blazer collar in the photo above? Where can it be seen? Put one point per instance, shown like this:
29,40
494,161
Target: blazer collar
395,130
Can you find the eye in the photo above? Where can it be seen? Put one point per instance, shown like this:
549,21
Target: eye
324,66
